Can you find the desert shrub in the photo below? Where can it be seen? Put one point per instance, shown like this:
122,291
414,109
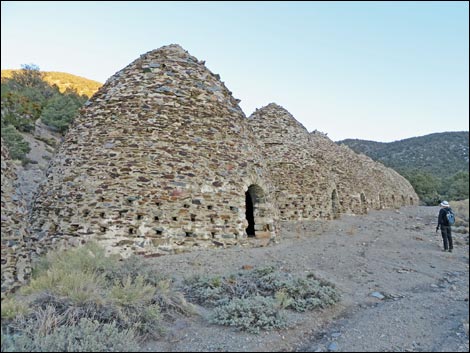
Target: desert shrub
302,293
90,258
204,290
135,300
12,308
79,287
241,299
171,302
17,146
250,314
83,283
309,294
131,292
86,336
133,266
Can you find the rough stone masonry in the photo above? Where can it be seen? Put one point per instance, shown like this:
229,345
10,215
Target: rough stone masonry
16,264
163,160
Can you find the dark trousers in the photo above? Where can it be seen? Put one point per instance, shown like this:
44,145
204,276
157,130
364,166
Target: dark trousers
447,237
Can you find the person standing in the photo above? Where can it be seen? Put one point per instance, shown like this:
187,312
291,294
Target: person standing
443,223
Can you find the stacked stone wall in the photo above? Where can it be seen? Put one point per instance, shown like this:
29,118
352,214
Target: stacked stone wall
316,178
159,161
162,160
16,266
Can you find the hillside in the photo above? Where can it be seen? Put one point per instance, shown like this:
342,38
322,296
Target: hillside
435,164
441,154
63,80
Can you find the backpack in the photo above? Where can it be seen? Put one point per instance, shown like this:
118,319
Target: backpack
450,217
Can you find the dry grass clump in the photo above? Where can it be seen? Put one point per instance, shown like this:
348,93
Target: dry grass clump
461,211
83,293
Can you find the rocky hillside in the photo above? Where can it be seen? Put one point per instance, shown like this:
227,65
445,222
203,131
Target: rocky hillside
441,154
63,80
435,164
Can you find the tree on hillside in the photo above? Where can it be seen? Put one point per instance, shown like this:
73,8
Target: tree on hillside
17,147
426,186
455,187
29,76
60,111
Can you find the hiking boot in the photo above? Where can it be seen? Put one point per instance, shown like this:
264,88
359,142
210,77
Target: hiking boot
444,250
450,250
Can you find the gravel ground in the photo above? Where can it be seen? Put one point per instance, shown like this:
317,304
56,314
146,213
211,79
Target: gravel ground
399,291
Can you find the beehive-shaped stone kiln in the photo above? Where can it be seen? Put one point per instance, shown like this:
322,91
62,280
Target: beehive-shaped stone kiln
316,178
302,181
160,160
361,183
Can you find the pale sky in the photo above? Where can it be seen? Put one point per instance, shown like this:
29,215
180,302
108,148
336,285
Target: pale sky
380,71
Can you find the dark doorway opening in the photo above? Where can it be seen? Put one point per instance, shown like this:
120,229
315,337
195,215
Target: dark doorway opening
250,217
335,204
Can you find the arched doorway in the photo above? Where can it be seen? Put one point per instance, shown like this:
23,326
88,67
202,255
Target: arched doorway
250,216
363,203
256,211
335,204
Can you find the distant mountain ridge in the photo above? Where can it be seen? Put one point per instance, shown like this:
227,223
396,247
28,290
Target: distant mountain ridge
65,80
440,154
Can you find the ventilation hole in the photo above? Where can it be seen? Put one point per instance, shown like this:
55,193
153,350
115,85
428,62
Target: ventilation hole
156,218
186,205
102,214
175,218
103,229
159,232
189,234
158,204
212,220
102,199
213,234
193,218
131,231
139,217
233,208
210,207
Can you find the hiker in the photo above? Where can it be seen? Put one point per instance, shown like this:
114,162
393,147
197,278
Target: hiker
445,225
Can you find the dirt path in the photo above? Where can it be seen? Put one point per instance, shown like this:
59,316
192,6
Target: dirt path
395,253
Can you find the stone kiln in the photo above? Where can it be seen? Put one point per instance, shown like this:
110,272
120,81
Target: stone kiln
16,265
316,178
163,160
160,160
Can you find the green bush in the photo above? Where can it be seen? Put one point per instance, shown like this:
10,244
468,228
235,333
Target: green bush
90,258
204,290
86,336
17,146
254,299
12,308
59,112
250,314
79,287
302,293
